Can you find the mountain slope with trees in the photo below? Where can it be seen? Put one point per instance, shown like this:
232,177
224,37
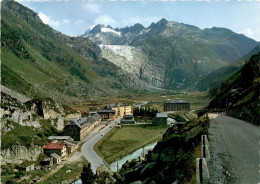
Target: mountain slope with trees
216,77
49,63
239,94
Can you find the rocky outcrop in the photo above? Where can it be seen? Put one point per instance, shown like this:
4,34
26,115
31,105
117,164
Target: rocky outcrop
31,112
17,154
59,124
104,175
70,117
5,126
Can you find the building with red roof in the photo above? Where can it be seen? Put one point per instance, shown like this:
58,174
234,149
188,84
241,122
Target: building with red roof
58,148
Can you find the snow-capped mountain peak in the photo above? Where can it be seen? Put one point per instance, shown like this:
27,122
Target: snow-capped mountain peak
109,30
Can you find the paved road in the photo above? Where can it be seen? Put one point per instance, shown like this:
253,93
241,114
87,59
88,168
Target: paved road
234,148
91,140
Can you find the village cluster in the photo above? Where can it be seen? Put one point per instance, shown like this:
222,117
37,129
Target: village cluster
59,148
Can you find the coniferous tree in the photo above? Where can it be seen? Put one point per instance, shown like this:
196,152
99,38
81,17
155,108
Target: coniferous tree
87,176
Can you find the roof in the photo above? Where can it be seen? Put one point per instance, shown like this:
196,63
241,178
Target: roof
161,115
180,101
82,122
170,120
93,119
54,146
129,116
59,137
70,143
106,111
55,155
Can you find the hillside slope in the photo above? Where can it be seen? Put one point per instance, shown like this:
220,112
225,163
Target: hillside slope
239,94
39,61
216,77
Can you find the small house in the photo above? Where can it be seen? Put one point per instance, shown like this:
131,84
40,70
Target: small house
58,148
56,158
160,119
128,119
71,146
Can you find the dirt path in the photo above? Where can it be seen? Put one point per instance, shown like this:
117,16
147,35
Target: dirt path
234,146
76,157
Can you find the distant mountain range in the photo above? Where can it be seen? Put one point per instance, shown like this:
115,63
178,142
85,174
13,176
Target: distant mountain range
169,54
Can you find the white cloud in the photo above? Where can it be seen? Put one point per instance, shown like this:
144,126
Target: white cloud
47,20
145,21
106,20
248,32
65,21
95,8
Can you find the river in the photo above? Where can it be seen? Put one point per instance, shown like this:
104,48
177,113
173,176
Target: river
131,156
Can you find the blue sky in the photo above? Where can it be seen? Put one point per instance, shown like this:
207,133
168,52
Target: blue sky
74,17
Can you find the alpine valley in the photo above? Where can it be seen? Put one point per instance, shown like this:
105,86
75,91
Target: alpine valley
40,61
80,108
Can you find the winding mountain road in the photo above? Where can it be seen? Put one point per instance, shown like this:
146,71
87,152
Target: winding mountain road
87,148
234,149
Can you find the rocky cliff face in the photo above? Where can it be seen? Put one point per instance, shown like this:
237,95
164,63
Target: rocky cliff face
30,112
35,115
16,154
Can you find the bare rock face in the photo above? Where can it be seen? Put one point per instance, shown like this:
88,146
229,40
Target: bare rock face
17,154
70,117
24,118
29,112
6,127
59,124
50,114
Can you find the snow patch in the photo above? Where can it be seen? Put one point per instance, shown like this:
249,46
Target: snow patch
121,50
106,29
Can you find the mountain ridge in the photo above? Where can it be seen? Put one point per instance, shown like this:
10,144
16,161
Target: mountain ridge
182,53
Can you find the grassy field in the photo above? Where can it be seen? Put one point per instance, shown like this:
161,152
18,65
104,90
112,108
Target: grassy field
68,172
197,99
122,141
